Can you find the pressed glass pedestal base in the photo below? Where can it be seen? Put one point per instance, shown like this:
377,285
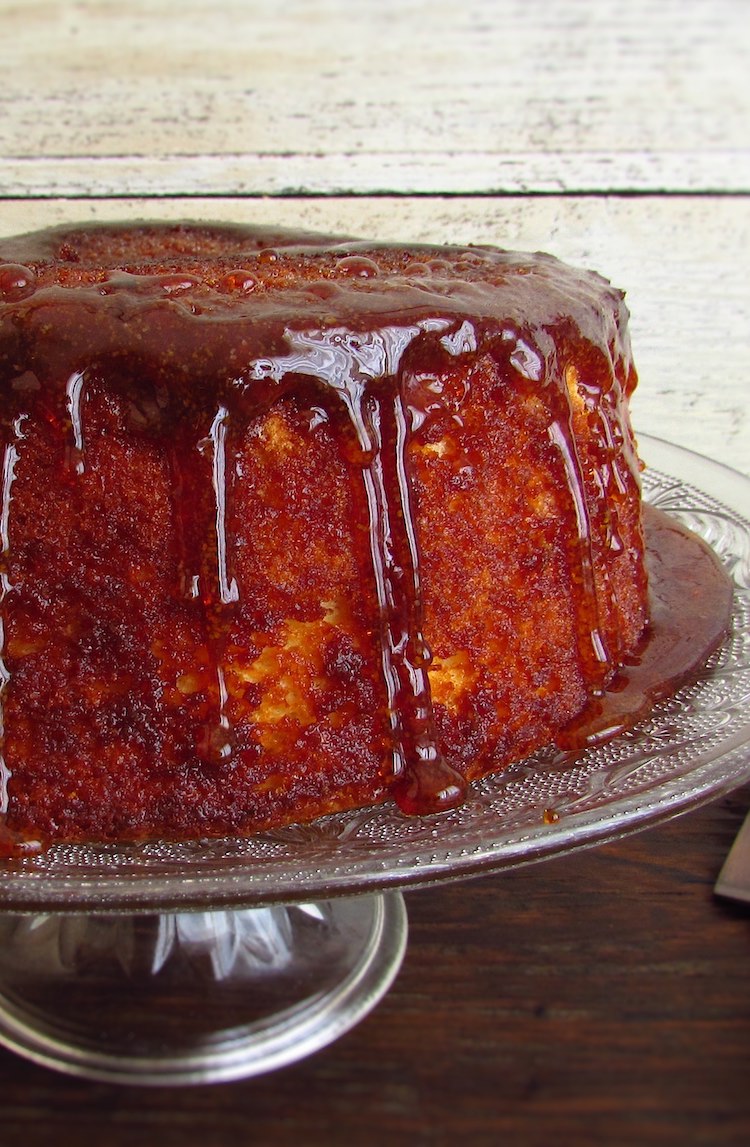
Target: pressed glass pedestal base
194,997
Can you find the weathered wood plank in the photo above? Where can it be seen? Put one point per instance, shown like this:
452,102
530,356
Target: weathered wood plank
683,262
403,95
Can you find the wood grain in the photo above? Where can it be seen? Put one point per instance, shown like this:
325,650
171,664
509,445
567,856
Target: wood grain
159,97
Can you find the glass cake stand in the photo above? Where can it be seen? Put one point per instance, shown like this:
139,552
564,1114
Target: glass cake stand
188,963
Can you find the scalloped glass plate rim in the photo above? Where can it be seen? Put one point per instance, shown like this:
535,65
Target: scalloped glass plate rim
330,858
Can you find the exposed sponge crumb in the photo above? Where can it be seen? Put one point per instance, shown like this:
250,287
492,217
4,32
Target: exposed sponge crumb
452,679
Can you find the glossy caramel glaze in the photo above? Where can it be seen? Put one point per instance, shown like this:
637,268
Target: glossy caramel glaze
291,525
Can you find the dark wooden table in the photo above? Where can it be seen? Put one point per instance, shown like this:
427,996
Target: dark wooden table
598,998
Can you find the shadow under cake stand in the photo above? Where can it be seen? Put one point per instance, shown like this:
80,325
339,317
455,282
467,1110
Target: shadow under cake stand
193,963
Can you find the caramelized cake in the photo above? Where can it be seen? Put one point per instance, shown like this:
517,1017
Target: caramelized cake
292,525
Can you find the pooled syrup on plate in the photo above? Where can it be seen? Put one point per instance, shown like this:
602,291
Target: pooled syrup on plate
690,599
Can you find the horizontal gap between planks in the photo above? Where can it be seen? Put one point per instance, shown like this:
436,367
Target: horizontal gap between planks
315,175
571,193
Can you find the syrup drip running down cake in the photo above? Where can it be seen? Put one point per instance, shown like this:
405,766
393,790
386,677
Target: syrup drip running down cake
291,525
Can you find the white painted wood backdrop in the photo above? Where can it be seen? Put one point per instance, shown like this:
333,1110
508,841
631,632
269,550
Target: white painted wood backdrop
613,134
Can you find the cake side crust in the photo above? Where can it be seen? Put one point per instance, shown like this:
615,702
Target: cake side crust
294,528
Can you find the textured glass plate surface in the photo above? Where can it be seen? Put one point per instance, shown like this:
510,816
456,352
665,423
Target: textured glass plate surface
693,747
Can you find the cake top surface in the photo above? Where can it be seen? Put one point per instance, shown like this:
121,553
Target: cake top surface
212,268
178,297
